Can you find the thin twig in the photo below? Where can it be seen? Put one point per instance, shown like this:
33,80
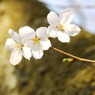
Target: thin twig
72,56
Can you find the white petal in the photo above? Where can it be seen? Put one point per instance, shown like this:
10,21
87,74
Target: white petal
27,52
14,35
35,47
45,44
37,54
66,17
16,56
27,32
42,32
72,29
63,37
26,42
30,44
10,43
52,31
53,18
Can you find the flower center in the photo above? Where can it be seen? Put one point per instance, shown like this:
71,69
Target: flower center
18,45
60,27
36,40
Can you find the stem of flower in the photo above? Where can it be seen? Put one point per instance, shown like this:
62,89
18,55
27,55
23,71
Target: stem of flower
72,56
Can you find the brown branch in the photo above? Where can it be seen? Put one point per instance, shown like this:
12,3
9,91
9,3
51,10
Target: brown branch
72,56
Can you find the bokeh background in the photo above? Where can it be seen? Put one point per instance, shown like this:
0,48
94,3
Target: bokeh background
49,75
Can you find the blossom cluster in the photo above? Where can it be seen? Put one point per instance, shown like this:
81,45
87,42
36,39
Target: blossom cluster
28,42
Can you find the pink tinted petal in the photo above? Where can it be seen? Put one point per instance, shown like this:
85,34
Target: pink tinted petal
45,44
53,19
52,32
63,37
16,56
27,32
42,32
36,46
66,17
27,52
14,35
10,44
37,54
72,29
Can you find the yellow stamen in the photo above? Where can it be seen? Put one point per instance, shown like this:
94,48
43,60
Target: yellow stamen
60,27
18,45
36,40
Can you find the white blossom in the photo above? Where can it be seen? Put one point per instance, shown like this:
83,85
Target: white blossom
18,46
38,41
61,27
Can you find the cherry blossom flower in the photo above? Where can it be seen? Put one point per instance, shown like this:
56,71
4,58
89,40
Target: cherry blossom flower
61,26
18,46
38,41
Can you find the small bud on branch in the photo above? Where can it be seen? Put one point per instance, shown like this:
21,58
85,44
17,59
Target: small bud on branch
72,56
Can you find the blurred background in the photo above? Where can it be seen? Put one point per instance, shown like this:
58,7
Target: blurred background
49,75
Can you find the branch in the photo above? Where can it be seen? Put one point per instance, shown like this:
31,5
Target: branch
72,56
